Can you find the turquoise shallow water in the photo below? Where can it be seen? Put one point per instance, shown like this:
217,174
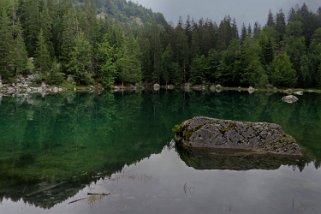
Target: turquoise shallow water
56,149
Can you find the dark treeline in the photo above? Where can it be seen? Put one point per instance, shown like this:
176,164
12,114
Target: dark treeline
66,41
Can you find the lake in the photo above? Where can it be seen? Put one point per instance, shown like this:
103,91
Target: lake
56,149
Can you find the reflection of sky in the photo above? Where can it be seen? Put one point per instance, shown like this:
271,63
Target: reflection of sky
247,11
163,183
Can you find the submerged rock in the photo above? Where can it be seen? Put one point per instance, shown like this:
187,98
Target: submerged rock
290,99
214,134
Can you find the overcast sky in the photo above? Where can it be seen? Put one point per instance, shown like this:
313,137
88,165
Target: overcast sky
247,11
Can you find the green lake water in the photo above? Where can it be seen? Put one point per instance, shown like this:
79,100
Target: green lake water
56,149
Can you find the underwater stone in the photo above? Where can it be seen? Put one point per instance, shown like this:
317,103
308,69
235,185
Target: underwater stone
215,134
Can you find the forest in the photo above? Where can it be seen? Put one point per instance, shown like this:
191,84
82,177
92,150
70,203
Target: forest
111,42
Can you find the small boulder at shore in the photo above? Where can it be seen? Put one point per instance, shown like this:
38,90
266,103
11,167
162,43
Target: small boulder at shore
214,134
290,99
156,87
251,90
299,93
218,88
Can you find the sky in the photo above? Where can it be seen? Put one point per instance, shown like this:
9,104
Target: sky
247,11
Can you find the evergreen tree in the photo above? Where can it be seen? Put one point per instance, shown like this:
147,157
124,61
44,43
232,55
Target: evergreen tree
107,57
80,64
43,58
270,22
256,30
168,67
305,76
130,67
198,70
230,68
46,23
70,30
213,62
254,73
6,43
20,55
280,25
244,32
282,73
181,52
266,41
249,30
295,47
29,11
226,33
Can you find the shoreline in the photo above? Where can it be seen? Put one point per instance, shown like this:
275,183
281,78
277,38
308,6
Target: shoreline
44,89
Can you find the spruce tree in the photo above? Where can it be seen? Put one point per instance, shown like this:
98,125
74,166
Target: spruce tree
282,73
20,53
80,65
107,57
130,67
6,44
270,22
43,58
280,25
29,11
253,72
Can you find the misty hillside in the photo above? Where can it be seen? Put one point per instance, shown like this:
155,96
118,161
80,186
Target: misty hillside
127,11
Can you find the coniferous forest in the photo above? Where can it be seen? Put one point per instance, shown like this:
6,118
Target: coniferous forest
111,42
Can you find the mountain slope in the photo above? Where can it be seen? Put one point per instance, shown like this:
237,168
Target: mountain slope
128,12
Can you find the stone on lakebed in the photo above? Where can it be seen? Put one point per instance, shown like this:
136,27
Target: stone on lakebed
226,135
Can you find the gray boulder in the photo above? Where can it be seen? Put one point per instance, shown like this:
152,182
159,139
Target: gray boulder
251,90
156,87
290,99
299,93
226,135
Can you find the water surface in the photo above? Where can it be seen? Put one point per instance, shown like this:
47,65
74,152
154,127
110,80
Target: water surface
56,149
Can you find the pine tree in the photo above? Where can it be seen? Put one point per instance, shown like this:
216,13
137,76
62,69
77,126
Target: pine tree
70,30
244,32
295,47
256,30
305,75
280,25
231,68
88,21
6,43
282,73
29,11
254,73
20,53
249,30
198,70
46,24
107,57
80,64
266,41
43,58
213,62
130,67
270,22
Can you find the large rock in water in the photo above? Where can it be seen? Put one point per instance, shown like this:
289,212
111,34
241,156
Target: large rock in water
226,135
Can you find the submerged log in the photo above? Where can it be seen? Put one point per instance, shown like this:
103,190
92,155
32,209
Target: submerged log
249,137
